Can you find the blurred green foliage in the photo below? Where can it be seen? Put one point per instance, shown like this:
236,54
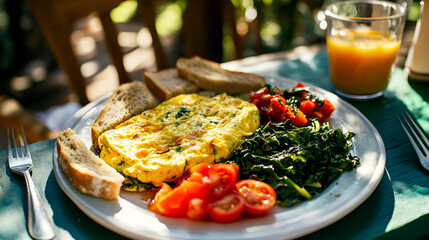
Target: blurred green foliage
414,12
169,17
284,23
124,11
281,24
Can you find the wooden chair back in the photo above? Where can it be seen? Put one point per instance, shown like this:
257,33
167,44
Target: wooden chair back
57,18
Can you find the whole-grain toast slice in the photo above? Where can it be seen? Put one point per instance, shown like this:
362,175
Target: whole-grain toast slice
86,171
167,83
127,100
211,76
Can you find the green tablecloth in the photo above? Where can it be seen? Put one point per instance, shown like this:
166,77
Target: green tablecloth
398,208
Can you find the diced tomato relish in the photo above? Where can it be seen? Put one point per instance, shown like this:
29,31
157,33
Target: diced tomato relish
299,107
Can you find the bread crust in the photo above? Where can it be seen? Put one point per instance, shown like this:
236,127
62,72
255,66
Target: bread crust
127,100
167,83
211,76
76,161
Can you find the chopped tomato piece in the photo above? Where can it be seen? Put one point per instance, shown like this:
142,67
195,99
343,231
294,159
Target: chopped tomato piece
258,196
261,92
325,111
308,107
227,209
299,85
297,118
277,101
304,93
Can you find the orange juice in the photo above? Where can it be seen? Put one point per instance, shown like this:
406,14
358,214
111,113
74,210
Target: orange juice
361,60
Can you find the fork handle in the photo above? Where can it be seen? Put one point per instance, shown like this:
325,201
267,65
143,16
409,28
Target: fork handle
39,225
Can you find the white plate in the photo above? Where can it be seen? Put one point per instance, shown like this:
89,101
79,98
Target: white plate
130,217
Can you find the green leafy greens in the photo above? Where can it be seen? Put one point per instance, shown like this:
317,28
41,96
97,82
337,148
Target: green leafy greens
298,162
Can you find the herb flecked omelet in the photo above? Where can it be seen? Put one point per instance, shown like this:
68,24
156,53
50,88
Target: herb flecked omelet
160,144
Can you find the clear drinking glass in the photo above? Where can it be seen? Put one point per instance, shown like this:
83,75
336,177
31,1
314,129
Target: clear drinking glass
363,39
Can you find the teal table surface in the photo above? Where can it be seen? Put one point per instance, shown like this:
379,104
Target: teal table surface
397,209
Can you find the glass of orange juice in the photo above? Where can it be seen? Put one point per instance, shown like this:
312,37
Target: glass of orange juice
363,39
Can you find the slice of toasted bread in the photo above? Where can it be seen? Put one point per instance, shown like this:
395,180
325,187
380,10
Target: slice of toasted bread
211,76
128,100
87,172
167,83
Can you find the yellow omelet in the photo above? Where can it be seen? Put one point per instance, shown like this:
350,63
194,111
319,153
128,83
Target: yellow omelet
160,144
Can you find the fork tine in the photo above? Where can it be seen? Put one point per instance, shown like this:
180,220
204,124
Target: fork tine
420,132
15,143
412,132
19,144
9,147
27,151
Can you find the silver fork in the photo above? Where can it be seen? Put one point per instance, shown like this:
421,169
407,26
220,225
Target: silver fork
39,225
417,138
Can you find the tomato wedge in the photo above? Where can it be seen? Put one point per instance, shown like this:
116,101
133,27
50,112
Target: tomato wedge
227,209
174,203
197,208
165,188
258,196
197,190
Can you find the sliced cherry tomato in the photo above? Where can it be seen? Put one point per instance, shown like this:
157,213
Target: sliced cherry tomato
258,196
165,188
197,208
227,209
212,189
174,203
220,177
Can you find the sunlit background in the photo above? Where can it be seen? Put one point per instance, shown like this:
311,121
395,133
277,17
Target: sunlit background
32,87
